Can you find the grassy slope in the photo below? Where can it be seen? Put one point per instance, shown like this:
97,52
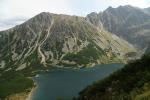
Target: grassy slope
12,83
130,83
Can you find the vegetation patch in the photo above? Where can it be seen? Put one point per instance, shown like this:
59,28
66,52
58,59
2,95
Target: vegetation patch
88,55
12,82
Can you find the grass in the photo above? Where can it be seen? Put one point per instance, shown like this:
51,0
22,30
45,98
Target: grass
12,83
143,96
89,54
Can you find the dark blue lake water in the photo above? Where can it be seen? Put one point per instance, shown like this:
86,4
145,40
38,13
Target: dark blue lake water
67,83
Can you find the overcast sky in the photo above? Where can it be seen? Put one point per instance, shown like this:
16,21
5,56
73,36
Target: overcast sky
13,12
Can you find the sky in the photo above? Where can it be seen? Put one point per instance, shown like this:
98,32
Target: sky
14,12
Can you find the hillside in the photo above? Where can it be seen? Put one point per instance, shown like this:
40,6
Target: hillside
49,40
130,83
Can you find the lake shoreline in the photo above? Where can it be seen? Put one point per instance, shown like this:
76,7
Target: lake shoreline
30,95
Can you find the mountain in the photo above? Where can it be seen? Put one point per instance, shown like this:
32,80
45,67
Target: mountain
147,10
49,39
130,23
147,49
130,83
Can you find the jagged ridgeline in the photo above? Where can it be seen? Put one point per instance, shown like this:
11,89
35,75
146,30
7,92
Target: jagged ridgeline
130,23
59,40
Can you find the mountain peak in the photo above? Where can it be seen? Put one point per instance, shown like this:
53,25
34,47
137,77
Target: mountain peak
126,6
42,16
122,7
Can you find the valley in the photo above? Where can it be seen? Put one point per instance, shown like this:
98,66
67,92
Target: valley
72,45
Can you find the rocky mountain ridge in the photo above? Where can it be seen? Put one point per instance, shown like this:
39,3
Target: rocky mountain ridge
50,39
130,23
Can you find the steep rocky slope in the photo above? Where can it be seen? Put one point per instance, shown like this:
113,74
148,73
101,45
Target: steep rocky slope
147,10
130,23
50,39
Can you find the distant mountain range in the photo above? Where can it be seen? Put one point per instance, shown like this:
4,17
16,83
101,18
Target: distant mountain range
130,23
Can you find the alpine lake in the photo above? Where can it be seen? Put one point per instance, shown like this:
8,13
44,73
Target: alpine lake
64,84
